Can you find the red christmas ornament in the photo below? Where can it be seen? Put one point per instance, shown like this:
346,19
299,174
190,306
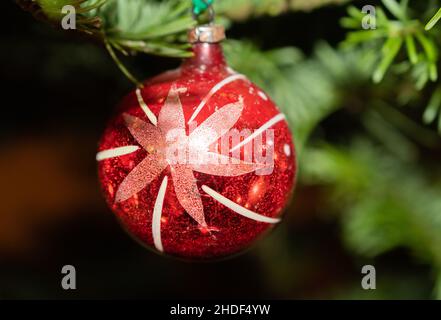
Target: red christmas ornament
199,162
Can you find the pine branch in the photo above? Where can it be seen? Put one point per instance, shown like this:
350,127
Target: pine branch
148,26
394,35
434,20
154,27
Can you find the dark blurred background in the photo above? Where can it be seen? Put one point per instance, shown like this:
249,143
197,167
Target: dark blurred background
58,91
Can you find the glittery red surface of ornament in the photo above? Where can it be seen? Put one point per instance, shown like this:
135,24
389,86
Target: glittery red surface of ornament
193,223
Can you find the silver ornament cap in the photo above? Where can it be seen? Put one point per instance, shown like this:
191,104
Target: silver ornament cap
208,33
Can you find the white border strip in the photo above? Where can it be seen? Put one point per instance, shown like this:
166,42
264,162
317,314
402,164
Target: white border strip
157,214
237,208
258,132
215,89
117,152
145,108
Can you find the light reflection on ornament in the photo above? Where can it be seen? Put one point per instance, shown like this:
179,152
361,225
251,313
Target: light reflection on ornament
257,190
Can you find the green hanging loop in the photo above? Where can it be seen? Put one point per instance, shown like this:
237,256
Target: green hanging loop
200,6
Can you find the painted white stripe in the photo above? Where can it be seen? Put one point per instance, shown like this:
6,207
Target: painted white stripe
145,108
157,214
287,149
117,152
258,132
237,208
215,89
262,95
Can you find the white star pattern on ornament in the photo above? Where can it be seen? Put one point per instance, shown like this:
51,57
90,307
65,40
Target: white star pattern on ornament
154,139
